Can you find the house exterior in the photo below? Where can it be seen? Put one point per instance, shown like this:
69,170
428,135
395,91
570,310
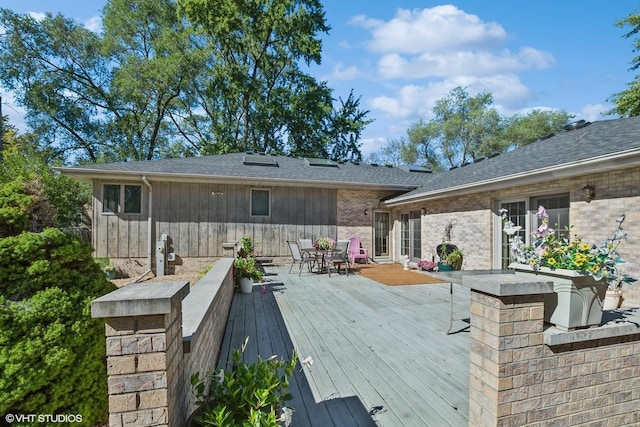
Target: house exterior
397,212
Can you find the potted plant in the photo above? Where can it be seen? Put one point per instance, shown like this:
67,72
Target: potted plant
581,271
450,257
454,258
110,271
426,265
247,394
246,273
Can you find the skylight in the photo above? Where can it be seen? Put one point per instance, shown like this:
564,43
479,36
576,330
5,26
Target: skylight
416,168
322,162
254,160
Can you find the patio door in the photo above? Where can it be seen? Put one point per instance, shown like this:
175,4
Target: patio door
381,235
523,213
411,235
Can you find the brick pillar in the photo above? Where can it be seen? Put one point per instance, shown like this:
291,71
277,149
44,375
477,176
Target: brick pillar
506,330
144,352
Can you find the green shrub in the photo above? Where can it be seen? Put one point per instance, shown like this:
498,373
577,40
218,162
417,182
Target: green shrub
52,353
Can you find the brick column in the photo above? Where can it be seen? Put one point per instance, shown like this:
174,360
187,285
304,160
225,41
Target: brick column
144,352
506,330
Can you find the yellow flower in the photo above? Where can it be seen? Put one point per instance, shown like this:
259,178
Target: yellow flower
585,246
551,261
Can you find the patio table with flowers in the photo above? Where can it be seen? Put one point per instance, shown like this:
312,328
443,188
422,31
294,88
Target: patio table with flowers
322,248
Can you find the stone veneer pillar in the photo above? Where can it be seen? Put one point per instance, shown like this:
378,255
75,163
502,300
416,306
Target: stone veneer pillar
144,352
506,319
525,373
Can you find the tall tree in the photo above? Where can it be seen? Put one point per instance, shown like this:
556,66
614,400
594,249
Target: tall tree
523,130
224,76
466,128
253,94
627,102
97,99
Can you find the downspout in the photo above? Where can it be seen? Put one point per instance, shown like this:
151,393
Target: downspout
149,229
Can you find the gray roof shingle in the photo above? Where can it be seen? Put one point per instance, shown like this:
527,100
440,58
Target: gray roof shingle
599,140
288,169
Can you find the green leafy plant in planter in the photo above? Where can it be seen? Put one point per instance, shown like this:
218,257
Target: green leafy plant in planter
247,395
246,267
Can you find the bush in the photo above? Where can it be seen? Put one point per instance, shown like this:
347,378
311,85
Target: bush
52,353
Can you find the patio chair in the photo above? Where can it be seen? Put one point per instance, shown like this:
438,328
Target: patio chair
307,244
356,251
299,257
340,256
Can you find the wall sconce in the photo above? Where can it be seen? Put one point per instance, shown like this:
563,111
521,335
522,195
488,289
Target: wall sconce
366,212
423,211
588,193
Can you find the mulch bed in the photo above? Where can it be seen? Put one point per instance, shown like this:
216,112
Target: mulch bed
393,274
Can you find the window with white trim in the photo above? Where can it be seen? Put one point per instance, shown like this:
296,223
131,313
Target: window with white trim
260,202
122,198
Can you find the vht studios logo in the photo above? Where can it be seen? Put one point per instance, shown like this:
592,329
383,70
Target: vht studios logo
43,418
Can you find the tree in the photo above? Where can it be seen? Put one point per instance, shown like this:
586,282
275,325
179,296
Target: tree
523,130
465,129
253,94
628,101
54,200
157,83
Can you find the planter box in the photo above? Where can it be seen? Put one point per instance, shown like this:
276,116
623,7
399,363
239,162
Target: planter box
577,299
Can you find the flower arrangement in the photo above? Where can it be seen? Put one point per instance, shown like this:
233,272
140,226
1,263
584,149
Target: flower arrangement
247,394
427,265
557,252
325,243
246,265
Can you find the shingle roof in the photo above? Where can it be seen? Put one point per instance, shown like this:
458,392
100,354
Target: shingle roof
593,146
233,166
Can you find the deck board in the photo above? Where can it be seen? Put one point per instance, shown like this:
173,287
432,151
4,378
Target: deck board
381,356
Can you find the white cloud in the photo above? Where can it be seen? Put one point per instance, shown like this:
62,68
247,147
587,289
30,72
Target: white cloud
593,112
456,63
416,101
93,24
436,29
340,72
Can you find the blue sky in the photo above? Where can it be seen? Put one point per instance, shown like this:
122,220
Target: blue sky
402,56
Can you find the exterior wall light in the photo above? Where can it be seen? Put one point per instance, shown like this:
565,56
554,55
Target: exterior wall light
588,193
366,212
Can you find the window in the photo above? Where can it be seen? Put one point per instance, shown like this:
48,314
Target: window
260,203
523,213
115,197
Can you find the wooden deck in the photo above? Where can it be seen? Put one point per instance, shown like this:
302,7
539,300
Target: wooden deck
380,353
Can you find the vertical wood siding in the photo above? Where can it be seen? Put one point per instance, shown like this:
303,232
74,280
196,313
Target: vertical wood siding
199,217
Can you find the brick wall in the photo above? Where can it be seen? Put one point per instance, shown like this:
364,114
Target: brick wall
156,339
474,218
351,219
516,379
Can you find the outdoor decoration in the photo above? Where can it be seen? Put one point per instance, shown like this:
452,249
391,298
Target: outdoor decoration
450,256
247,394
426,265
245,267
581,271
325,243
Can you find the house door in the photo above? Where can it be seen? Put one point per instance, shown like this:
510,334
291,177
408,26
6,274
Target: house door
381,234
411,235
